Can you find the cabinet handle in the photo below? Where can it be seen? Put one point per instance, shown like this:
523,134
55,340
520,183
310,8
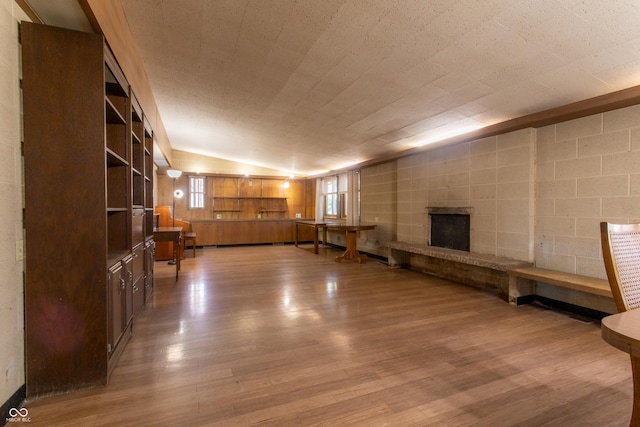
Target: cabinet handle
130,274
135,289
122,285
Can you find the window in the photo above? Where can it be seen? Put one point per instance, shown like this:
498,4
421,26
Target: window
343,188
343,205
330,191
334,190
196,192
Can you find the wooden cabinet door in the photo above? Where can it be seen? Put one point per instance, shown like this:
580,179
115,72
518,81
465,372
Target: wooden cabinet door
116,324
137,263
207,232
138,285
149,256
137,226
127,272
283,231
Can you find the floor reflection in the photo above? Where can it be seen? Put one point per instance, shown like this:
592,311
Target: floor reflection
197,299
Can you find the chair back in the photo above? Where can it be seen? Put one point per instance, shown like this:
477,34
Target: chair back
621,254
164,250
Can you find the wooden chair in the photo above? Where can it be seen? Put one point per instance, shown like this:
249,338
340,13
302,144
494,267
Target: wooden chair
190,237
621,253
164,250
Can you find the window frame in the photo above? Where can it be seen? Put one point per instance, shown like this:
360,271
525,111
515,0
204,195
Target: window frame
335,195
330,197
201,194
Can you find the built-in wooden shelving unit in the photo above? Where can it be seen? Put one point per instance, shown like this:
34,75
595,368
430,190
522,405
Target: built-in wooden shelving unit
88,192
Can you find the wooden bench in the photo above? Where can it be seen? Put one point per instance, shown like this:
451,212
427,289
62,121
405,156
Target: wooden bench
523,283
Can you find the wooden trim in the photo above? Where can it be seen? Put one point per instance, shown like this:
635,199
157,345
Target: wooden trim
26,7
90,16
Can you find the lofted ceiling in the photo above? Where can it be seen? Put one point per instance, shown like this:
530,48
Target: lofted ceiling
306,86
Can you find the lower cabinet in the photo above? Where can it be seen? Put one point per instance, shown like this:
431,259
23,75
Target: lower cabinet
120,309
127,270
138,281
117,287
235,232
149,259
127,285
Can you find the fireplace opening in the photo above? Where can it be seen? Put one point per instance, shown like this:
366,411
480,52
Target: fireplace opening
451,231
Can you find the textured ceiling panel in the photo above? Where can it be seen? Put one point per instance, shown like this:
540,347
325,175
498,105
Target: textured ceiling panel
306,85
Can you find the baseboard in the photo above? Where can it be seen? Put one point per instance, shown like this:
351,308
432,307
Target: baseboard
15,401
571,308
526,299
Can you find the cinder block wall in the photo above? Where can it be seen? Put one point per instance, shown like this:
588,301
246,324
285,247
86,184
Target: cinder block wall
379,206
588,171
536,194
494,177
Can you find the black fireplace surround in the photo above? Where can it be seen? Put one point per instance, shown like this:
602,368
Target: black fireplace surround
450,228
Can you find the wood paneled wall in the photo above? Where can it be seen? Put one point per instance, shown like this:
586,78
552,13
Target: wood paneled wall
239,197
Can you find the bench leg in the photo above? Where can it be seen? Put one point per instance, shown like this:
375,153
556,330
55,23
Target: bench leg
521,291
397,259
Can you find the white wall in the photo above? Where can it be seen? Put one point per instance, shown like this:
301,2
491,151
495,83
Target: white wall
11,204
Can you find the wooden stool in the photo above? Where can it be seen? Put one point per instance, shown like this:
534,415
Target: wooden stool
191,237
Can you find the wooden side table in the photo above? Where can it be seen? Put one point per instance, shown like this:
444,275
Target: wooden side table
352,241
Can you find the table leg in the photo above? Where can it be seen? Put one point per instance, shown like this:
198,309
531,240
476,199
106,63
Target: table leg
635,370
352,248
176,255
315,240
296,241
179,252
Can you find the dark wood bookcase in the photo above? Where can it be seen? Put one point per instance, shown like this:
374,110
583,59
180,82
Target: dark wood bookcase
88,183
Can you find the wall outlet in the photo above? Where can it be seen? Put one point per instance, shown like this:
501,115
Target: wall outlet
19,250
218,216
298,215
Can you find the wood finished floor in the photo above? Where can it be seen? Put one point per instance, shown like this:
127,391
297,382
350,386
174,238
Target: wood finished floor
278,336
